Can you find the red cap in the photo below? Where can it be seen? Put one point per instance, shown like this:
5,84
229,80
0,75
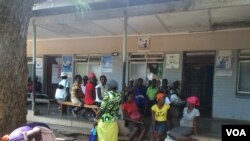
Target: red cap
91,75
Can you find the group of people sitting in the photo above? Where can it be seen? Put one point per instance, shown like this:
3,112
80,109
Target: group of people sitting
161,119
84,90
163,103
166,108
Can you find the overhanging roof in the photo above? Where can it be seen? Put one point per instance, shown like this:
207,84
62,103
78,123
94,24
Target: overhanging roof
152,17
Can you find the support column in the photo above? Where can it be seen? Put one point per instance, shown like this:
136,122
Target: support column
34,67
124,47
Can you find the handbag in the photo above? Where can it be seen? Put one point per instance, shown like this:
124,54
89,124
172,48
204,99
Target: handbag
93,135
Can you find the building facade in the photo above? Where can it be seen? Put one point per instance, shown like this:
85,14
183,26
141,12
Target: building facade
212,65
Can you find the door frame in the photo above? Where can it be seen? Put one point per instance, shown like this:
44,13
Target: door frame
210,53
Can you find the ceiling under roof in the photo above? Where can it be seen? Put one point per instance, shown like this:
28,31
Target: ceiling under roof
169,17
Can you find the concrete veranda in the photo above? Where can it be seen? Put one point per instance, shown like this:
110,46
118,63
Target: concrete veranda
67,125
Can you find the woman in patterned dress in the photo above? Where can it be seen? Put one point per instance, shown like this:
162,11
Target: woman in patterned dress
106,119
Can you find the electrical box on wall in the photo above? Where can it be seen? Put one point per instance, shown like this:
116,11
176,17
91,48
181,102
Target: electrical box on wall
115,53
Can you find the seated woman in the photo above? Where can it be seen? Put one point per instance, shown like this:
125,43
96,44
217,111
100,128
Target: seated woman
160,116
133,118
188,122
63,94
76,95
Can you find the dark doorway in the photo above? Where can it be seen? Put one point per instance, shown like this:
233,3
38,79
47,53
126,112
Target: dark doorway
198,79
51,70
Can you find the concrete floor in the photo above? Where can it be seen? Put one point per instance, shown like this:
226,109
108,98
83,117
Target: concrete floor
208,129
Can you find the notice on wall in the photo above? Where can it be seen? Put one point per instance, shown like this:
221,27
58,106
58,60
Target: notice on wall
107,63
56,71
39,64
223,66
67,62
172,61
143,43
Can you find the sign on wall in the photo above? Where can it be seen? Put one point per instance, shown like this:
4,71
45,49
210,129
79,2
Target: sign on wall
172,61
67,62
56,71
107,63
39,63
223,66
144,43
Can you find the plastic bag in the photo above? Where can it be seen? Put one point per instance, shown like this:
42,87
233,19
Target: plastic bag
93,135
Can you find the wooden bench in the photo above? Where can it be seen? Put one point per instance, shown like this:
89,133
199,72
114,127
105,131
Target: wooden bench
68,103
45,99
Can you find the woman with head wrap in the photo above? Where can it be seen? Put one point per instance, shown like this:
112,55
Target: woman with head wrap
106,118
159,118
188,122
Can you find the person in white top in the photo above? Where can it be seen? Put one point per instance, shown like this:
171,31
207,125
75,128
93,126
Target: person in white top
101,88
84,83
64,86
188,122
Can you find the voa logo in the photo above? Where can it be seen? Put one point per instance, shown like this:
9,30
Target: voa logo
236,132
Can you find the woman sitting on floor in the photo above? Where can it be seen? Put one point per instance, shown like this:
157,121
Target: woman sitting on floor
133,117
188,122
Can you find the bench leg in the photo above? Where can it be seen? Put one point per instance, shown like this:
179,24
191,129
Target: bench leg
48,108
61,110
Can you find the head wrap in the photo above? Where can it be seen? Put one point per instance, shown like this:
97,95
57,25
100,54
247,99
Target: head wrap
160,96
193,100
91,75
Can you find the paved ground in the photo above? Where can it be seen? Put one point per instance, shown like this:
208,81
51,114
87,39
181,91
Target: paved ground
209,129
69,133
77,134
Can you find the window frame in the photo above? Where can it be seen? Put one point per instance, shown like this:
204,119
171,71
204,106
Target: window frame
242,59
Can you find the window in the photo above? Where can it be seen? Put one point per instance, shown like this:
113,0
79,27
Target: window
243,87
146,66
88,63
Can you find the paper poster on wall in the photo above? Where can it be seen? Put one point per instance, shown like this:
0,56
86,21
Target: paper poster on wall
56,71
67,65
223,66
143,43
172,61
39,64
107,63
